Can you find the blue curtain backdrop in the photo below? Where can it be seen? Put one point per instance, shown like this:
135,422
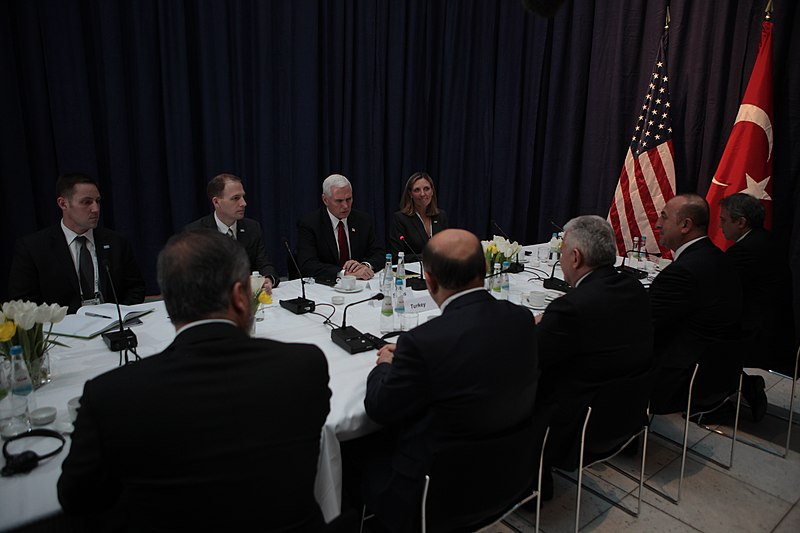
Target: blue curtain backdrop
520,119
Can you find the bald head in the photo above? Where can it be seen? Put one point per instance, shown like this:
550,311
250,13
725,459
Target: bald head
454,257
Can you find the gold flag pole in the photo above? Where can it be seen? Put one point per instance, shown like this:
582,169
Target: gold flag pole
768,11
666,23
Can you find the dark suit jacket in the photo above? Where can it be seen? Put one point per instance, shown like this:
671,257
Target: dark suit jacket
469,373
249,235
597,333
43,271
219,432
317,253
696,302
766,295
410,227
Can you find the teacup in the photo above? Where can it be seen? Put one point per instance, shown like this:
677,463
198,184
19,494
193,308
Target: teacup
347,283
535,298
72,407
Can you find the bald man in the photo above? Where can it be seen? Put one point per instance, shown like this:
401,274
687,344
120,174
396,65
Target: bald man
696,301
470,372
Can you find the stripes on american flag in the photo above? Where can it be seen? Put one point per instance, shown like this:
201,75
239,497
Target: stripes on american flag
647,180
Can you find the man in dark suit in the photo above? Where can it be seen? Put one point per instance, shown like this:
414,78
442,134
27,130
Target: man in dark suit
220,431
226,194
767,322
696,301
469,373
68,264
338,237
597,333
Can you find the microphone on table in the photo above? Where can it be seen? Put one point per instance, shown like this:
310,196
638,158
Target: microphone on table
554,283
631,271
514,266
416,284
124,339
301,305
349,338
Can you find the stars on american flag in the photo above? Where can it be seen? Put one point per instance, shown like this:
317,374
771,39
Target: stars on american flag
654,125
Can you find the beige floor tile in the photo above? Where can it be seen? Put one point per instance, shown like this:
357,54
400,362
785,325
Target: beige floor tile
790,522
650,519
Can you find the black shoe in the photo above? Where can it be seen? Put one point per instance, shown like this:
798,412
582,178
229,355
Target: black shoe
754,395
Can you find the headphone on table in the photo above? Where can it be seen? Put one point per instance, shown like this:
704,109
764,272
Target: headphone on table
24,462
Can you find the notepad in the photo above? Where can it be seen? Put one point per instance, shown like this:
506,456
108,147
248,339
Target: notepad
92,320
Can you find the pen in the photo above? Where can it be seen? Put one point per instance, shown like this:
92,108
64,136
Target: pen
97,316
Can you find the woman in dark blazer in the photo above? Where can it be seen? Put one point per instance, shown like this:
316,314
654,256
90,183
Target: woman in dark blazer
419,217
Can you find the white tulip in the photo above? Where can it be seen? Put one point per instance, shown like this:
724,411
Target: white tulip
57,313
25,318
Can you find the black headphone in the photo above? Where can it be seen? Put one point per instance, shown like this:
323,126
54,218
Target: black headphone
22,463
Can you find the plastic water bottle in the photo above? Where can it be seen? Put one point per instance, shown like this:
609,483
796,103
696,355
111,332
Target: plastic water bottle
21,383
496,283
387,272
387,310
399,304
643,248
401,268
553,244
505,282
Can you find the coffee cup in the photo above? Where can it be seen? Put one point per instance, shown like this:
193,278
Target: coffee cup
535,298
347,283
72,407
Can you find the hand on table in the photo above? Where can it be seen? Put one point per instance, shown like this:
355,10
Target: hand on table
359,270
386,354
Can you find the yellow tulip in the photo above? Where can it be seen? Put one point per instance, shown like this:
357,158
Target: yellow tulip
7,330
264,298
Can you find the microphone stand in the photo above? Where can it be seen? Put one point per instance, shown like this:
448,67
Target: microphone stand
124,339
416,284
629,270
554,283
515,266
302,305
349,338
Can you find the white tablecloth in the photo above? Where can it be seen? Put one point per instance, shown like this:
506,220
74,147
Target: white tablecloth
29,497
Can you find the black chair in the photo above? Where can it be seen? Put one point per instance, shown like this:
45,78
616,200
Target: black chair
473,484
715,378
616,416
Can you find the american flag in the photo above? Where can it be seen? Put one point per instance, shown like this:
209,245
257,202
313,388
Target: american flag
647,180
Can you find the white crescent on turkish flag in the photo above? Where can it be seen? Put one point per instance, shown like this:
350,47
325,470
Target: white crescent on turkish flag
746,163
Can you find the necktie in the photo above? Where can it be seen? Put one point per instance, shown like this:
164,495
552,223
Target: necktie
230,233
85,269
344,251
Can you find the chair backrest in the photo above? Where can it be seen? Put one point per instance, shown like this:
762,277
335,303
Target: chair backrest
619,411
472,483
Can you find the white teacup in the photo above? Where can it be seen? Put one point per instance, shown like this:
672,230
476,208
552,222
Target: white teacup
72,407
347,283
535,298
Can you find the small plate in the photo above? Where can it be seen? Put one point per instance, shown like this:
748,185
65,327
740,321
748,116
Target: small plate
64,428
358,288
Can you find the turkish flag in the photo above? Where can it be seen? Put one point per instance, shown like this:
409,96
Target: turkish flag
746,164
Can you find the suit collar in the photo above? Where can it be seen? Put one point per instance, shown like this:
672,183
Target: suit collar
206,332
692,246
464,298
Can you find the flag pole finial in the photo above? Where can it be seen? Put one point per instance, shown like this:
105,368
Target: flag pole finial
666,22
768,11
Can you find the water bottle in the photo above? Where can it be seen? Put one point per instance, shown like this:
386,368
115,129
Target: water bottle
401,268
21,383
505,282
387,311
387,272
496,278
633,257
399,304
553,244
643,248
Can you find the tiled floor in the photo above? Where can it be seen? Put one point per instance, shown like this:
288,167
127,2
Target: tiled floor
760,493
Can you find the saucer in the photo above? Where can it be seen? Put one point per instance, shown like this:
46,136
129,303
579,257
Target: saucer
357,288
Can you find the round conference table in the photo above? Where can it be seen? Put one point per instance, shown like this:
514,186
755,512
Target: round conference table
29,497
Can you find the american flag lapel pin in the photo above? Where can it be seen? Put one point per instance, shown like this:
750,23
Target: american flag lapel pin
352,230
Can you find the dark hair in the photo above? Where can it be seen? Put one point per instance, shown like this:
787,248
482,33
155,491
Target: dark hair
196,271
695,208
67,182
454,273
407,202
742,205
217,184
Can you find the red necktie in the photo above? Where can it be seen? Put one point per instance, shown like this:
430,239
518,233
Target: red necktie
344,251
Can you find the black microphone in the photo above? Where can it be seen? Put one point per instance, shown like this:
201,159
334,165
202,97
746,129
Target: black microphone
629,270
349,338
124,339
514,267
302,305
554,283
559,228
416,284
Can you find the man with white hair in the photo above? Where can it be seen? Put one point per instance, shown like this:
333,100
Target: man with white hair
337,237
